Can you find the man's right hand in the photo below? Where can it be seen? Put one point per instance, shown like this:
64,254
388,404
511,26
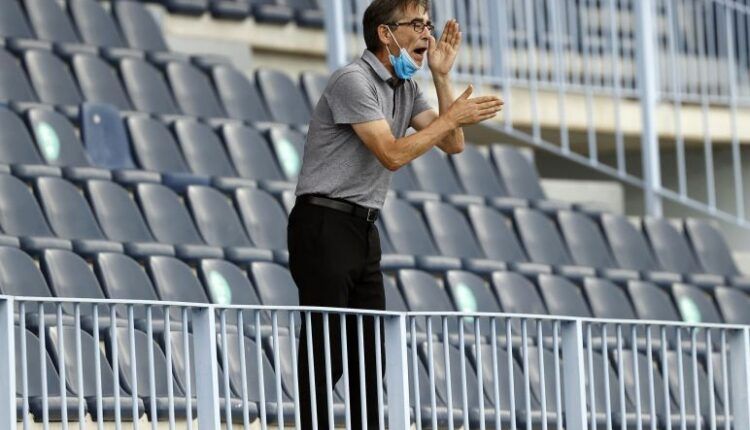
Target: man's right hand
468,111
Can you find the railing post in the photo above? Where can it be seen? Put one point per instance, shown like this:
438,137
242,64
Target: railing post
335,22
397,372
648,80
7,365
206,368
573,376
739,375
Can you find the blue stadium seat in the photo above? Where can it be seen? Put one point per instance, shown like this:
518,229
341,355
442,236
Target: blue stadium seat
220,226
175,282
608,300
518,295
409,235
713,252
98,81
282,97
674,254
239,95
170,222
71,217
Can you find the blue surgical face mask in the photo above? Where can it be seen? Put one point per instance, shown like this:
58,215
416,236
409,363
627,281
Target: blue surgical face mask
404,66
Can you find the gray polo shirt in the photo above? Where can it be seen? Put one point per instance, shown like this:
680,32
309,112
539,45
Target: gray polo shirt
336,163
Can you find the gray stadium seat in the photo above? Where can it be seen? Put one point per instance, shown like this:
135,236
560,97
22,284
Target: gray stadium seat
288,145
175,282
608,300
631,250
276,288
146,85
544,244
674,254
70,276
454,237
307,13
34,381
56,139
313,85
229,9
600,390
226,283
282,97
71,217
518,295
122,278
394,301
588,247
264,220
171,223
499,242
20,276
193,92
21,216
423,293
51,78
220,226
251,154
50,22
95,25
651,302
99,82
713,252
89,348
13,22
155,146
562,297
434,174
695,305
479,178
733,304
409,235
121,220
239,95
16,144
14,85
138,26
689,371
271,11
203,149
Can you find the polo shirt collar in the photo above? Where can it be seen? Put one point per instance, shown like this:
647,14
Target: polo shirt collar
373,61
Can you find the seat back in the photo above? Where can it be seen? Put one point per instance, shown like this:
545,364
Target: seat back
14,85
215,217
239,95
282,97
202,148
406,229
99,82
451,231
476,173
147,87
495,234
67,210
263,217
51,78
155,147
56,138
540,237
435,174
193,92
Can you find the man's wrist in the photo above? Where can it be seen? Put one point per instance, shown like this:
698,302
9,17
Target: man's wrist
440,78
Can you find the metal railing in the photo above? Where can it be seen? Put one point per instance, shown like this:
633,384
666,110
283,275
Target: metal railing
166,363
634,89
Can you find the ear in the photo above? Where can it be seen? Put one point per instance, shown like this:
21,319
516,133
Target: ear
384,35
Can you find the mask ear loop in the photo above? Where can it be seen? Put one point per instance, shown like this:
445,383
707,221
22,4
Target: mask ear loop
394,39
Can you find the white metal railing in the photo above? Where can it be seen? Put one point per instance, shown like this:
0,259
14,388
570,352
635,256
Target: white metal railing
236,365
585,72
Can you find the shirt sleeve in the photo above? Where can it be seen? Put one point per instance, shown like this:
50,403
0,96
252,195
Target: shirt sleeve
420,102
353,99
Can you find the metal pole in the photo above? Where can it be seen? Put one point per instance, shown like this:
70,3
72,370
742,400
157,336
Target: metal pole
647,85
739,372
206,368
397,372
335,33
574,383
7,365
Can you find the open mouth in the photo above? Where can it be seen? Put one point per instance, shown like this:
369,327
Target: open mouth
419,53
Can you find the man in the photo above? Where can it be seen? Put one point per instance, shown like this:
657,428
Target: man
354,143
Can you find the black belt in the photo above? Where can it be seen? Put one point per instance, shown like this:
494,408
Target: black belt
368,214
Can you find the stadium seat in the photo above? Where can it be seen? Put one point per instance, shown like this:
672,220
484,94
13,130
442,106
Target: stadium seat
282,97
631,250
155,147
689,373
16,143
588,247
307,13
22,217
543,243
146,86
160,408
227,284
313,85
171,223
252,157
175,282
288,145
271,11
479,178
20,276
193,92
423,293
674,254
733,304
499,242
99,82
405,186
389,260
615,401
122,278
518,295
14,85
409,235
276,288
71,217
57,140
50,22
220,226
51,78
229,9
202,148
36,388
696,305
562,297
435,175
651,302
13,22
264,220
121,220
95,25
71,277
503,384
713,252
608,300
138,26
104,136
454,238
239,95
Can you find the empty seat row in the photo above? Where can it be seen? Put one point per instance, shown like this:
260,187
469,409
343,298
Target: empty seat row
305,13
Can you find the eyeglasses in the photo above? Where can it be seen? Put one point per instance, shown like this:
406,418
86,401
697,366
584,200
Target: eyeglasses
417,25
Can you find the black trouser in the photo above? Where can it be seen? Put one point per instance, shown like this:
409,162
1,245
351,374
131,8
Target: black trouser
334,258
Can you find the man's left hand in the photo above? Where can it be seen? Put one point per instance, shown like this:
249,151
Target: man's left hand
442,53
